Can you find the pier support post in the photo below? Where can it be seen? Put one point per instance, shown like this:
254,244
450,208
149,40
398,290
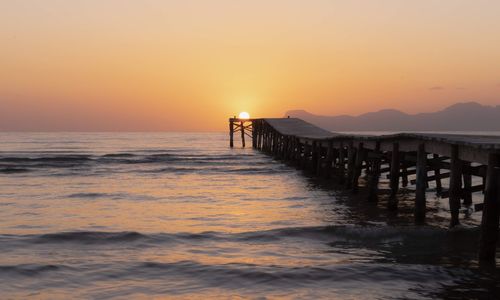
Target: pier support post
261,133
269,136
298,153
242,129
286,148
420,205
256,133
329,158
305,156
455,186
467,178
358,165
374,175
491,211
404,170
394,177
272,142
315,154
275,144
341,164
265,141
351,157
254,136
231,133
437,173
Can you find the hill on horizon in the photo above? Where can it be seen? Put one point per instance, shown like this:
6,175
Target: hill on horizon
467,116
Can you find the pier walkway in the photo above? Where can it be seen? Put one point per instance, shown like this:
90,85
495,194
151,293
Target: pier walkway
424,157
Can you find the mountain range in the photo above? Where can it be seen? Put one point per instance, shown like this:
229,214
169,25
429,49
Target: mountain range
468,116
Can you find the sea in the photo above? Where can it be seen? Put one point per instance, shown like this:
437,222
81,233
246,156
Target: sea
183,216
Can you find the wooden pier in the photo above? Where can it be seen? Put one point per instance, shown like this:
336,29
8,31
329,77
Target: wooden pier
430,157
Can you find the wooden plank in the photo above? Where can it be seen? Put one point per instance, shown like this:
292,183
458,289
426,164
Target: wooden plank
433,177
299,128
473,189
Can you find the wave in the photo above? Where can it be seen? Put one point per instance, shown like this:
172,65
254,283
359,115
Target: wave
168,157
13,170
18,164
353,234
31,270
59,158
90,237
97,195
242,275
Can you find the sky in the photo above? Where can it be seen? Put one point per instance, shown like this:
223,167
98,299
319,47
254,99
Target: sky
187,65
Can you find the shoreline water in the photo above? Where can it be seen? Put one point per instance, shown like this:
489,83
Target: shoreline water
182,215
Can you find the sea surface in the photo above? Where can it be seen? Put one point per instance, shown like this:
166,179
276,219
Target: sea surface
181,215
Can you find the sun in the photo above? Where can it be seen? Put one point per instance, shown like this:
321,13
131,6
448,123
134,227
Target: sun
244,115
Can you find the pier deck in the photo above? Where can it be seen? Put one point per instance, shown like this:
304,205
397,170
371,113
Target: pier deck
344,158
299,128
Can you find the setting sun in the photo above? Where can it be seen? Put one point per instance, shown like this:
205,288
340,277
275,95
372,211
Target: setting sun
244,115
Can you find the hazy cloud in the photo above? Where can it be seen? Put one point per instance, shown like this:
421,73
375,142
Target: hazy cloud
436,88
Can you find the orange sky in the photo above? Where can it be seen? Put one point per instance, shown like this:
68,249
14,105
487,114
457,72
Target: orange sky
188,65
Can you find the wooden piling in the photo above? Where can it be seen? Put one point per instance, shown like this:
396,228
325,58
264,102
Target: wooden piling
467,180
341,164
298,152
315,153
455,186
328,161
394,177
254,136
305,156
374,175
231,133
404,171
437,173
357,167
259,136
491,211
275,147
351,157
285,148
420,205
242,129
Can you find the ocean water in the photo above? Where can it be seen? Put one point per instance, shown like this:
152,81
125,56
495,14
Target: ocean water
181,215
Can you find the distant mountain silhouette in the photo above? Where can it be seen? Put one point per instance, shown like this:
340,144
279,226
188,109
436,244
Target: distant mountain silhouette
469,116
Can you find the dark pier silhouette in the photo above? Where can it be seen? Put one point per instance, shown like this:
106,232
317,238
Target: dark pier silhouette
343,158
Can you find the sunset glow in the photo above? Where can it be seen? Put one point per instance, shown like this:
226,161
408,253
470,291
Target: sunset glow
249,149
161,65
